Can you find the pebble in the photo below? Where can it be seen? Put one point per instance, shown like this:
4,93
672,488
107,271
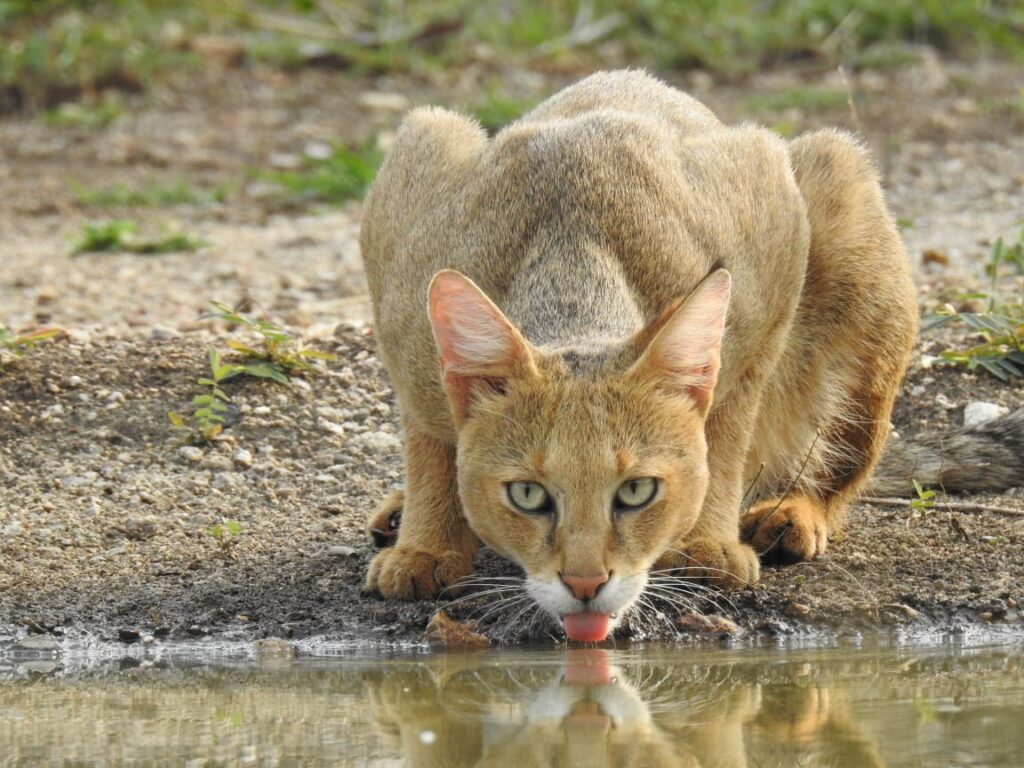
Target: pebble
381,442
978,412
242,458
217,463
190,453
340,550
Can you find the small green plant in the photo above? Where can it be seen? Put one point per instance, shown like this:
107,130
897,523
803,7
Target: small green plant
225,534
177,192
343,175
95,115
925,500
278,356
207,420
1001,327
17,344
120,237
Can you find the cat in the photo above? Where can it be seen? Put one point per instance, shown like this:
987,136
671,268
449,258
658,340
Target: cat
614,324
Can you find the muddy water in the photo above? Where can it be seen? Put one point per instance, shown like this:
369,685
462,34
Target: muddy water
938,706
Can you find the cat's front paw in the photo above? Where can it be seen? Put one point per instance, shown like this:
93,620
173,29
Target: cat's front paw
728,564
408,573
786,530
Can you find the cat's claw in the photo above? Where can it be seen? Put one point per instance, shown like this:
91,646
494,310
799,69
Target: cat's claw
788,530
408,573
727,564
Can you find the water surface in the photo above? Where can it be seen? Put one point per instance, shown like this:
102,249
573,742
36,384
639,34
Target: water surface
938,706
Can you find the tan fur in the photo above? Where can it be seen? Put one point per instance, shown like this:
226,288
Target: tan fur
587,224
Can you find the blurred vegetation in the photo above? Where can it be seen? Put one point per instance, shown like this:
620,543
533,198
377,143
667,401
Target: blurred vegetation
53,51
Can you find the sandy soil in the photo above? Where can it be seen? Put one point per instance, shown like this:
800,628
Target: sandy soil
104,513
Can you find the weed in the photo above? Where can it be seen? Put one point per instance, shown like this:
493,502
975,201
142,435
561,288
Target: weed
925,500
120,237
279,354
1001,327
208,408
496,110
226,534
94,115
17,344
178,192
343,175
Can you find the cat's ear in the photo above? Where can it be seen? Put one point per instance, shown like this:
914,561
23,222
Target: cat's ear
480,349
682,348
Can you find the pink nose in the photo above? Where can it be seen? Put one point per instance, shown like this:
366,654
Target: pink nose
585,587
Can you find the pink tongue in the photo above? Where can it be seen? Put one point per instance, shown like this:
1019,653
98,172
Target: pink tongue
587,627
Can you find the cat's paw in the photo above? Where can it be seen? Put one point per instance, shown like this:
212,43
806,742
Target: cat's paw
408,573
788,530
728,564
385,520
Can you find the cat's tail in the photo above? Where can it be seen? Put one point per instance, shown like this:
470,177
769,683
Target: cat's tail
985,457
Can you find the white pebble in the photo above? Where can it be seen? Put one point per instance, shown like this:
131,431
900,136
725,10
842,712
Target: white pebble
978,412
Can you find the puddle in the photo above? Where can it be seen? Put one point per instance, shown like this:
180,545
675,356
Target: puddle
949,705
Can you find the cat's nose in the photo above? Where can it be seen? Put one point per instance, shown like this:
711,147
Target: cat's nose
585,587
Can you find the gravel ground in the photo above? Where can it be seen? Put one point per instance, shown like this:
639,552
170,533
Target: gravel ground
105,513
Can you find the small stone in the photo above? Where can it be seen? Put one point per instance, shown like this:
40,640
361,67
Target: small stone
190,453
129,635
445,632
217,463
700,624
273,646
795,610
340,550
917,390
380,442
162,333
242,458
261,410
978,412
74,381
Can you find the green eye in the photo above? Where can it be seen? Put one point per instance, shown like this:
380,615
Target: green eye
635,493
529,497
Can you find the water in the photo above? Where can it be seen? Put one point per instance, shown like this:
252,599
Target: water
937,706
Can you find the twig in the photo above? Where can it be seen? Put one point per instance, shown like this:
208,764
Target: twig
962,506
849,100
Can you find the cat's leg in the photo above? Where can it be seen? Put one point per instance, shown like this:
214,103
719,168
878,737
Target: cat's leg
435,545
712,551
851,341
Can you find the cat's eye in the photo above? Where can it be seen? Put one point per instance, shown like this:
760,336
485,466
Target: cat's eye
635,493
529,497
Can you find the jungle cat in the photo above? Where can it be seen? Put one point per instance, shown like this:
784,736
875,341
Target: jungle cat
617,323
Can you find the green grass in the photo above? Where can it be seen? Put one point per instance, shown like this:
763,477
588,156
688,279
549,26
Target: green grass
53,51
810,99
994,335
97,114
156,194
120,237
343,175
496,109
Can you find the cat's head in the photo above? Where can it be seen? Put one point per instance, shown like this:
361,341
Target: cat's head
583,475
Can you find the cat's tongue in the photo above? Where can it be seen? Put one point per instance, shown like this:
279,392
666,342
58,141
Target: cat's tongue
587,627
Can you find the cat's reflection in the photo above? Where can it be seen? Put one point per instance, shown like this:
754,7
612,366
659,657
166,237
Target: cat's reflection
474,711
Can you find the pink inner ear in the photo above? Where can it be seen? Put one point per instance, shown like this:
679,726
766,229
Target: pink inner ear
477,344
685,351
